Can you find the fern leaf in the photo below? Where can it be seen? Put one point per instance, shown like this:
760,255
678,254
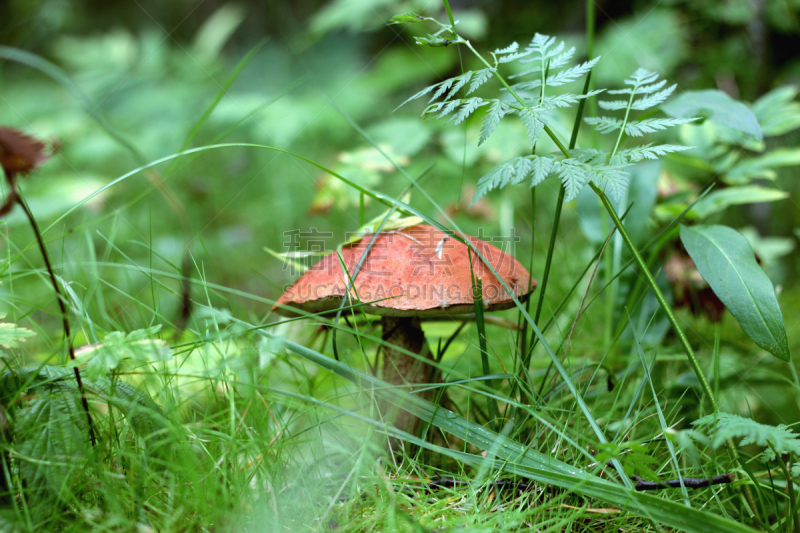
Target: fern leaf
496,111
510,49
479,78
467,108
652,99
646,89
566,100
634,155
534,120
562,59
571,74
448,107
420,94
637,128
774,439
526,85
604,124
641,77
590,156
612,105
612,179
503,174
513,57
442,87
532,70
541,167
573,176
460,82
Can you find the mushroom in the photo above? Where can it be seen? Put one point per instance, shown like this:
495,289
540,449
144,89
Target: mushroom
409,274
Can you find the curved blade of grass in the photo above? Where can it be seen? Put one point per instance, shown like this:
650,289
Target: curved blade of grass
518,459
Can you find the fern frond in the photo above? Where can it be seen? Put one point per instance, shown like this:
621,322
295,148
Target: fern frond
612,179
515,171
532,70
574,175
509,172
571,74
590,156
540,46
514,56
445,85
420,94
562,59
612,105
637,128
479,78
496,111
448,107
604,124
526,85
468,107
534,119
634,155
566,100
459,83
653,99
510,49
541,168
774,439
641,77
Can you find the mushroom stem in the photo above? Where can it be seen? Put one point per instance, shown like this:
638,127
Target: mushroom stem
403,369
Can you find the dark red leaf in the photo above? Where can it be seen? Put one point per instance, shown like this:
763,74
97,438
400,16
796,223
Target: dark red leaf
20,153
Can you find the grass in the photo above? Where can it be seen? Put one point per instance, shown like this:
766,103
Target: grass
260,424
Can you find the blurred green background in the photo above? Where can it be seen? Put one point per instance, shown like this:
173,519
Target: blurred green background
151,69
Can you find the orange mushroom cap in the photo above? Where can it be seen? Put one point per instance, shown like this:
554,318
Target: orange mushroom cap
415,271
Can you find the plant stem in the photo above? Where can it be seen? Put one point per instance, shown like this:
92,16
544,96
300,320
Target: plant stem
704,384
64,315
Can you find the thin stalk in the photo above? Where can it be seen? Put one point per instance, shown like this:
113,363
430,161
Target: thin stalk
64,315
556,220
477,298
695,364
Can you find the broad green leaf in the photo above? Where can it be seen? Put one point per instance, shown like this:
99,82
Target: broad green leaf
763,166
51,433
717,107
726,261
777,111
749,194
515,458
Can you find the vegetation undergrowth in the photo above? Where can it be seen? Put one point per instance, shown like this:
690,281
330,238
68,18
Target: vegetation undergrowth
147,387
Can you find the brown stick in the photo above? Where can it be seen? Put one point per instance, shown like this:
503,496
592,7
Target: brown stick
64,315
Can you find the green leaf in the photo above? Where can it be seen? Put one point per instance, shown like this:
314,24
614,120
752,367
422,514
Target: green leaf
749,194
717,107
405,18
774,439
117,346
432,41
726,261
763,166
11,334
51,434
777,112
496,111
